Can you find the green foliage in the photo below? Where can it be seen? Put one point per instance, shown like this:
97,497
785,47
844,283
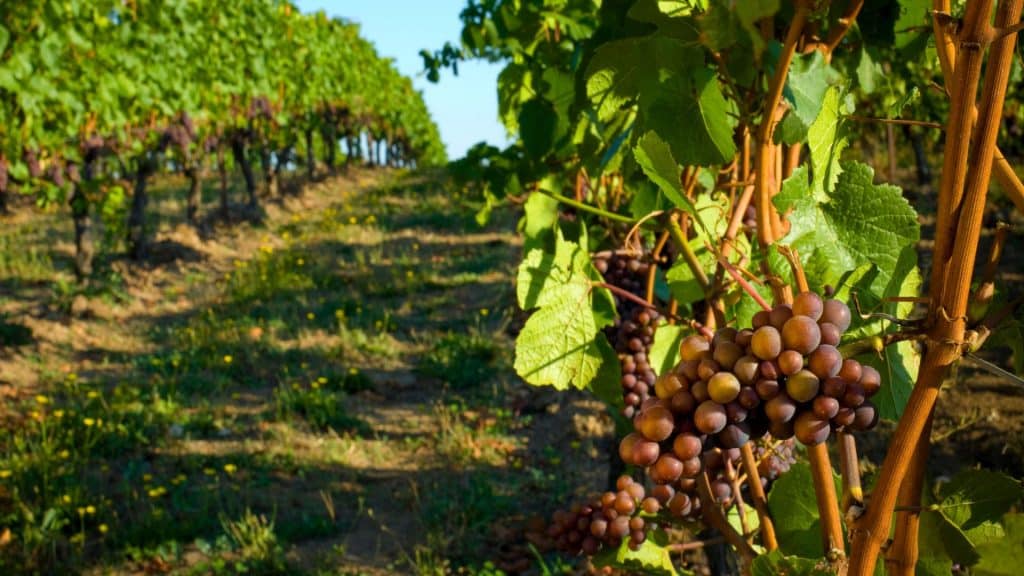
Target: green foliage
793,507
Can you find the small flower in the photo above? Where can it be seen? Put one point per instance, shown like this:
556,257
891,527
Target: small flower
157,492
66,499
89,422
209,471
64,454
300,262
92,395
310,316
103,528
322,380
90,510
230,468
5,473
228,359
353,371
58,413
42,400
484,311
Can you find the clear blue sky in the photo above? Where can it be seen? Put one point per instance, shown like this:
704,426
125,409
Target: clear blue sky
465,107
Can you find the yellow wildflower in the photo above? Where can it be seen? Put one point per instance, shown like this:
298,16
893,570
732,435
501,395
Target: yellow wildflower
228,359
42,400
89,422
230,468
103,528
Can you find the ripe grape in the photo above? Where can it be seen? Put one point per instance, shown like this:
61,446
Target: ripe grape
851,370
691,348
838,313
726,354
811,430
803,386
687,446
865,417
723,387
779,315
780,409
790,362
825,361
871,380
656,423
802,334
808,304
667,385
766,343
710,417
825,407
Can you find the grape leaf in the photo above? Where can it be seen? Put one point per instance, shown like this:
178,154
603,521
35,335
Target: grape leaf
664,353
826,142
558,344
676,95
806,85
607,384
974,497
539,216
538,124
794,509
1002,557
655,158
652,557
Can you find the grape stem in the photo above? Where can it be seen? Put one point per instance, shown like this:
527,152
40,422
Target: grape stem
901,556
828,504
741,507
679,238
849,469
695,544
758,497
586,207
743,283
713,515
960,211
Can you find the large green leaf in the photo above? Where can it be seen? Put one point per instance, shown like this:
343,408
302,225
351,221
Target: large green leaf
664,353
678,97
1003,557
826,142
794,509
559,345
775,563
538,125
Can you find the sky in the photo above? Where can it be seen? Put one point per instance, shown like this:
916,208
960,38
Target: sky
465,107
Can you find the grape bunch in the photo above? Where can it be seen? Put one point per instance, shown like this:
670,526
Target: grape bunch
31,158
633,334
674,470
784,376
626,514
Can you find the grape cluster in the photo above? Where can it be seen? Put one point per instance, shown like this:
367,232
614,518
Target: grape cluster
31,158
675,469
784,376
626,514
259,107
633,334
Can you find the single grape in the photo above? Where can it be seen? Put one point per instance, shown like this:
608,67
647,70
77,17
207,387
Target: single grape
624,481
747,369
668,468
663,493
838,313
598,527
854,395
688,369
682,402
636,490
811,430
808,304
779,315
851,370
781,430
825,361
871,380
692,347
650,505
802,386
708,368
780,409
748,398
844,417
790,362
636,523
691,468
834,387
761,318
865,417
802,334
770,370
699,390
687,446
710,417
679,505
830,334
744,337
727,334
666,385
723,387
645,453
735,413
656,423
624,503
726,354
619,527
766,343
825,407
734,436
628,446
767,389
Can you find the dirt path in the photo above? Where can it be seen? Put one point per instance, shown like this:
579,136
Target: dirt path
327,392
